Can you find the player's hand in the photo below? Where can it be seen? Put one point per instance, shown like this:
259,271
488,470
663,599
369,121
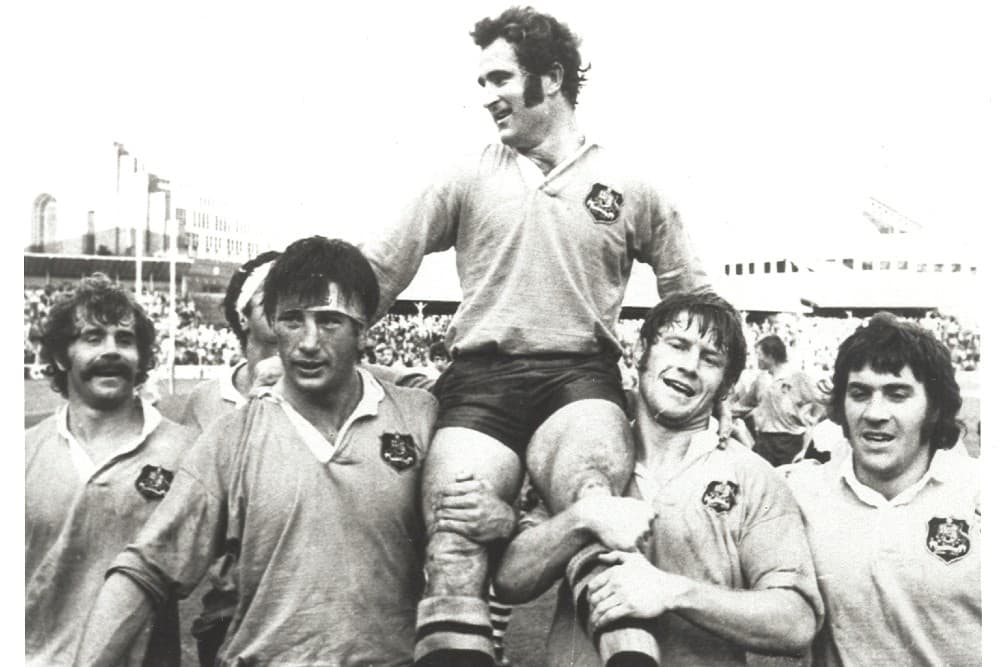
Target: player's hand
618,523
267,372
470,507
632,587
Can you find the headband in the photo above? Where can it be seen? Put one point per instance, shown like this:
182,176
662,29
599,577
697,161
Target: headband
252,284
339,302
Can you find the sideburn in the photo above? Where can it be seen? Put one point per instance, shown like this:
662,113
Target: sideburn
533,95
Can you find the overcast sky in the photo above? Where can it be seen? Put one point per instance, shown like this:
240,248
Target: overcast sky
766,116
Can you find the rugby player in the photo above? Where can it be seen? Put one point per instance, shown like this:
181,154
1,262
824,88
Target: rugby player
785,404
311,488
895,526
243,305
211,399
725,567
94,471
546,225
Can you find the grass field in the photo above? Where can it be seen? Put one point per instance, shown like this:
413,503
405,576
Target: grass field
529,624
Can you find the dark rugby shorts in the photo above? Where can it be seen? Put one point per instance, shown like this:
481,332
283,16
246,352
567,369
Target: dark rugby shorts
508,397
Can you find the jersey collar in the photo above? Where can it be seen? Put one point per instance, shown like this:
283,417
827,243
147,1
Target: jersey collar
943,468
532,173
227,386
702,444
372,394
85,467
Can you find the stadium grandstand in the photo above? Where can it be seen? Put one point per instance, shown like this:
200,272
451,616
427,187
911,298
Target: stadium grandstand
152,234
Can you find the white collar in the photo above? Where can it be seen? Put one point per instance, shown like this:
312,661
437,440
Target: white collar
227,386
702,443
371,395
85,467
532,173
942,468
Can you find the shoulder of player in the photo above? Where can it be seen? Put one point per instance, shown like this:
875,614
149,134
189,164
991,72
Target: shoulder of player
209,387
809,480
411,398
634,173
41,432
467,165
170,435
960,468
753,473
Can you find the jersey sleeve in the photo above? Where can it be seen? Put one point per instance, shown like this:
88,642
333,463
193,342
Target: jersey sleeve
428,224
186,533
663,242
774,551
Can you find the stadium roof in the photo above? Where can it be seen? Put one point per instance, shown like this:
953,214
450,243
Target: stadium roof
73,267
437,280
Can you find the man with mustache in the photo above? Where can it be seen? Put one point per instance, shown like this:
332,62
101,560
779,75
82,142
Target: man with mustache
311,489
94,471
546,225
895,526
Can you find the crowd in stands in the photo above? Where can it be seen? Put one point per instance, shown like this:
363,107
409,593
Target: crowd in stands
197,342
812,341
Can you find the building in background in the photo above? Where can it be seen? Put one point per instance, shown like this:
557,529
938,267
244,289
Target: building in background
878,260
92,213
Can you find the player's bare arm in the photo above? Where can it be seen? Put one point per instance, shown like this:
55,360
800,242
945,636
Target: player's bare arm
776,620
537,557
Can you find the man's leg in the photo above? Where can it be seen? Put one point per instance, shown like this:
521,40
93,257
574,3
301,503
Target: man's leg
453,619
585,448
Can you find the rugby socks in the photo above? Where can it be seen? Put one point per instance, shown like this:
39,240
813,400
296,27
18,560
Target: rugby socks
454,630
499,620
626,643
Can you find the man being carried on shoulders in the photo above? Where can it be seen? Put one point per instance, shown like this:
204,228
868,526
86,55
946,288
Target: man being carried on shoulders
546,226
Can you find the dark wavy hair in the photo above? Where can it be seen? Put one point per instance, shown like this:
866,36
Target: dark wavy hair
307,266
95,298
888,345
233,293
539,41
773,347
713,313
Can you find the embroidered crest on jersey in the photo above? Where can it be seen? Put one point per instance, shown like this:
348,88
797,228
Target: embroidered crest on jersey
604,203
154,482
720,496
398,450
948,538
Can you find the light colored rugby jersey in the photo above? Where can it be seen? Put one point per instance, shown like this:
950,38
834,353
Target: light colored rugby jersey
326,540
726,518
79,515
784,405
211,399
900,578
215,398
543,260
